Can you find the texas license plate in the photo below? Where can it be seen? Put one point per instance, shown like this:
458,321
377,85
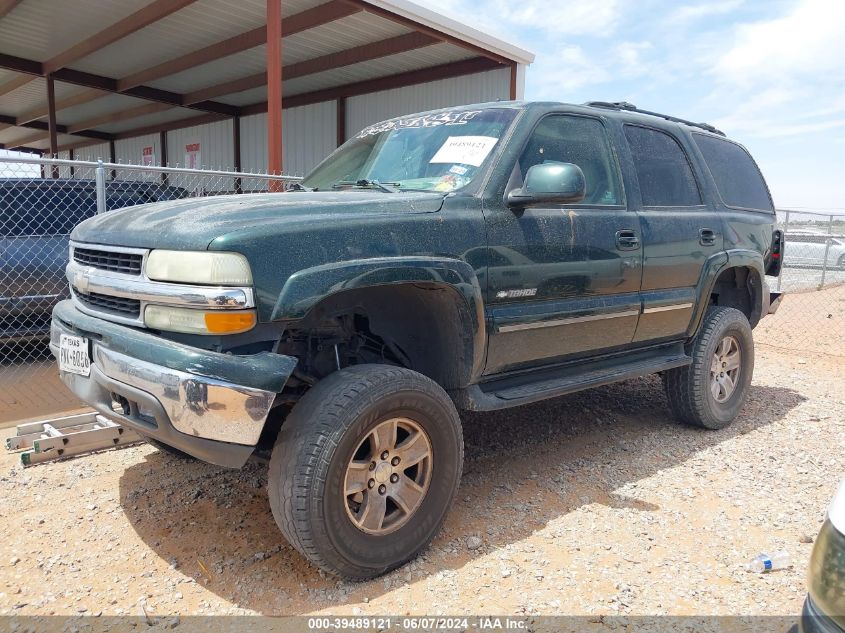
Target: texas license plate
73,355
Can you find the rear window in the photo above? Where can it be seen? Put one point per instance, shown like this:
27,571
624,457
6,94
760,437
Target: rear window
737,177
663,170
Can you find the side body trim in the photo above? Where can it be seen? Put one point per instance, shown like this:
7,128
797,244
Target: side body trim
540,324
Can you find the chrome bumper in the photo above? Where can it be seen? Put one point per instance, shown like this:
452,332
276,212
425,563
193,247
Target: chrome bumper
213,420
195,405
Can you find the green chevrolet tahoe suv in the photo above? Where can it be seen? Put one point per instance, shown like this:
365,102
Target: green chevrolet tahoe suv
471,258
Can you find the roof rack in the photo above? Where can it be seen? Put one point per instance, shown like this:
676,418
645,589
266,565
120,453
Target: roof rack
630,107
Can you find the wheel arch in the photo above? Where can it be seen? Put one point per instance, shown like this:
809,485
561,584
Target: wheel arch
735,279
430,308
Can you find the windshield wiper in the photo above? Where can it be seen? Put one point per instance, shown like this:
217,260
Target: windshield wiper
387,187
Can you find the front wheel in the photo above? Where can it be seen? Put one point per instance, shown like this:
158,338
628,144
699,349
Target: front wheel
365,469
841,262
710,392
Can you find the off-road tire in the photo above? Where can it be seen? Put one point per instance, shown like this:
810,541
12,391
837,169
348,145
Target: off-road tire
688,388
166,448
313,449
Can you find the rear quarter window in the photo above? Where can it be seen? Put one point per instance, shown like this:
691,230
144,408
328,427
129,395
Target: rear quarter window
737,176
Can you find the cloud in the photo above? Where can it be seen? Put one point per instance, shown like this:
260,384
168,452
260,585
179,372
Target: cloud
806,44
784,77
598,18
683,16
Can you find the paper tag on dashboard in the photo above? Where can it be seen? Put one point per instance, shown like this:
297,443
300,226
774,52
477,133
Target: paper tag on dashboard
467,150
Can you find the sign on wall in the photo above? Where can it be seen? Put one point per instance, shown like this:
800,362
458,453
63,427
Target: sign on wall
148,157
192,154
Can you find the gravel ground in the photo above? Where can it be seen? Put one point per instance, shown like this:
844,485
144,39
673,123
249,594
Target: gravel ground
597,503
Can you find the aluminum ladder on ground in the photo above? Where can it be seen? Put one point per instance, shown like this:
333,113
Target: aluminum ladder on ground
47,440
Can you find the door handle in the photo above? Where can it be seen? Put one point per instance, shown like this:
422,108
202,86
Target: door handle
627,240
707,237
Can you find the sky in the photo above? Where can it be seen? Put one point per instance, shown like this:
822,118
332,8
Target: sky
769,73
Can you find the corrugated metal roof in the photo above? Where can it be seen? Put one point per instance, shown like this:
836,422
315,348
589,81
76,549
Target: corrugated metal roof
32,95
210,21
247,97
348,32
40,29
166,116
107,104
412,60
9,134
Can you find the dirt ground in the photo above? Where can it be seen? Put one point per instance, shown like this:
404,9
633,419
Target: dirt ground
596,503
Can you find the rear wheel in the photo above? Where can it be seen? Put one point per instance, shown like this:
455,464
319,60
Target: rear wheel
710,392
841,262
365,469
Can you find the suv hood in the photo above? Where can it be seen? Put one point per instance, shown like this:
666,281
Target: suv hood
193,223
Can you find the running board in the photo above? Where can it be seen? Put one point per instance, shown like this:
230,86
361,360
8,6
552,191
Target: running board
550,383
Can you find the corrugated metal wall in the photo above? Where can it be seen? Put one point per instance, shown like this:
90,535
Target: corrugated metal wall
216,145
378,106
92,152
308,132
216,151
64,170
131,150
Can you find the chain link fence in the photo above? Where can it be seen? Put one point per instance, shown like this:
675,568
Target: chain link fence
42,200
813,279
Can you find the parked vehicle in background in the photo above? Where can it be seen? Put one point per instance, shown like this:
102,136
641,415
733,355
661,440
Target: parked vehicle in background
36,218
824,609
811,249
479,257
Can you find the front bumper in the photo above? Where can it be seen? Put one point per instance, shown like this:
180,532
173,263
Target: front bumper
210,405
814,621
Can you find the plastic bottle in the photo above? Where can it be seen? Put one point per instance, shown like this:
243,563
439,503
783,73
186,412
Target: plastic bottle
764,563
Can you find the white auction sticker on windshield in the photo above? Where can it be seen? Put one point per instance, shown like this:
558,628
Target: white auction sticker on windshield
466,150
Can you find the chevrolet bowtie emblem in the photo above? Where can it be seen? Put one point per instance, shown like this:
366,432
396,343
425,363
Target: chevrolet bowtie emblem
80,281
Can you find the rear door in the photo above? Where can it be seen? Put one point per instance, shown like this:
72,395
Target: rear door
680,232
563,280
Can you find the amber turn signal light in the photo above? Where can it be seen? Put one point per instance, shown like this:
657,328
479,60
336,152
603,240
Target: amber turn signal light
229,322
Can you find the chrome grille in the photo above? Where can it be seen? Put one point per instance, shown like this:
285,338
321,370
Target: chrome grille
113,261
116,305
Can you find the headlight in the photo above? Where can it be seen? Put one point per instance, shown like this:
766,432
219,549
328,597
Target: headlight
199,267
190,321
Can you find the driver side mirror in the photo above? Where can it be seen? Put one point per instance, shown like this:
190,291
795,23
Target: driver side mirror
549,183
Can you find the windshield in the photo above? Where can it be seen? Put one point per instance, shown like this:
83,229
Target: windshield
432,152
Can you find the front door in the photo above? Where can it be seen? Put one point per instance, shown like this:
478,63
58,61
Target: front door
563,280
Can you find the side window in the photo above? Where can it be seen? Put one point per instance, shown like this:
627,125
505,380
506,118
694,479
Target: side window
582,141
663,171
737,177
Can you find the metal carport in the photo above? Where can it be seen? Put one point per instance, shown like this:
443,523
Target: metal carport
97,74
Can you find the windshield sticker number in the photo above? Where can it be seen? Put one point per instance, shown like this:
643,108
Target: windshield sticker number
457,117
457,169
466,150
